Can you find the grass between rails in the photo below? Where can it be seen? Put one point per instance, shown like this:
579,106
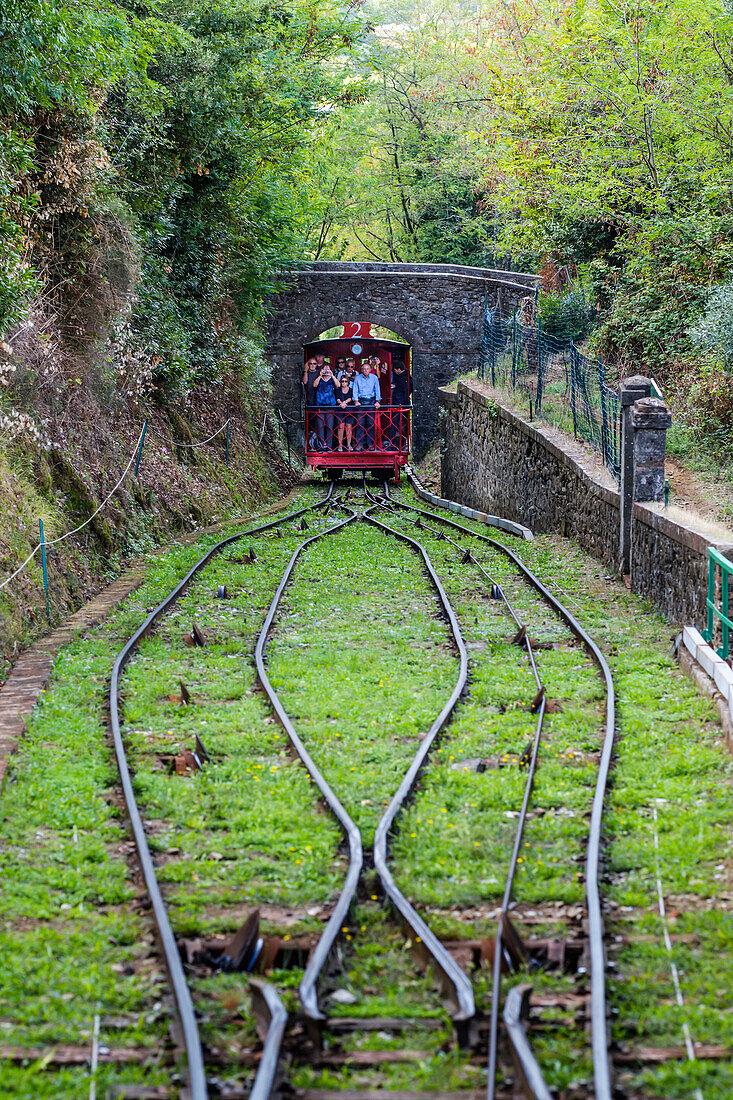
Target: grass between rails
74,941
362,664
669,754
669,750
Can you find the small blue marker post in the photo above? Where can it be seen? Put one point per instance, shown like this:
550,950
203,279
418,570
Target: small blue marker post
227,441
140,448
45,569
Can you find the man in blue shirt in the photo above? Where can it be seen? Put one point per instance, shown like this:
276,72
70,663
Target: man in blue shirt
366,395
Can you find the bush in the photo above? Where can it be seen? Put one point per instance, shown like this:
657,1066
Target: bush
565,315
714,331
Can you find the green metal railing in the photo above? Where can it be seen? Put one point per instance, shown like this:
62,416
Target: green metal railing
723,612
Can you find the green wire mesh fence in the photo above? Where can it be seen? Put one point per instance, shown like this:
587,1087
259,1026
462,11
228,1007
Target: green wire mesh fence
562,386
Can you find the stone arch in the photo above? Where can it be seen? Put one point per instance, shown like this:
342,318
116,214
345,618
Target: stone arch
437,308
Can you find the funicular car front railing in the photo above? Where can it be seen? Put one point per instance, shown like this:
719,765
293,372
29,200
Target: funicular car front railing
387,429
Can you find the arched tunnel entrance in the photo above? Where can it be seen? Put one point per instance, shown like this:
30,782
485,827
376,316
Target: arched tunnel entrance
436,309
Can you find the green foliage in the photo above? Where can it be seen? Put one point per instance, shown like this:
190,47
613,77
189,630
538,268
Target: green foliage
565,315
713,332
182,132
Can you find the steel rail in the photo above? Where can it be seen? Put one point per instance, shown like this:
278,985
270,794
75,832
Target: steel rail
519,835
599,1020
308,985
509,525
516,1012
454,979
174,966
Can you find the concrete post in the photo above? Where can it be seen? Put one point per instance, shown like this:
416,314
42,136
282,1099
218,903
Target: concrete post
630,390
650,419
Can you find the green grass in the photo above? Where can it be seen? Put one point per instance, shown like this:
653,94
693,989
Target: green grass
363,663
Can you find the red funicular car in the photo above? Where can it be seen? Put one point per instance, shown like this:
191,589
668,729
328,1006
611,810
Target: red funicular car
359,435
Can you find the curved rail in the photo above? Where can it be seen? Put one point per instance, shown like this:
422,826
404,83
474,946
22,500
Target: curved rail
456,982
308,985
509,525
599,1024
453,977
516,1012
174,966
269,1008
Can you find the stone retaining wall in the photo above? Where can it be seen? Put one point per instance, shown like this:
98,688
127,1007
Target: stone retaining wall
494,460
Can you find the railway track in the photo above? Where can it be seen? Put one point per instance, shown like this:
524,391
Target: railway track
369,878
184,1008
516,1009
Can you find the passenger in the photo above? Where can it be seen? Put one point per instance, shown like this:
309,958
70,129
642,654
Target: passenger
325,386
366,396
321,359
400,384
344,401
351,369
310,374
340,367
381,370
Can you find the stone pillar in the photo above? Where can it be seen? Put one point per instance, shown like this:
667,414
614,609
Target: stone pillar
650,419
630,390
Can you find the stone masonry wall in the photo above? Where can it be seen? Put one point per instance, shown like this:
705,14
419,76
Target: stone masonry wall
437,308
494,460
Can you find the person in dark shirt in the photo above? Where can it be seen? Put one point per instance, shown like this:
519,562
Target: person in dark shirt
400,397
345,419
310,374
400,384
325,386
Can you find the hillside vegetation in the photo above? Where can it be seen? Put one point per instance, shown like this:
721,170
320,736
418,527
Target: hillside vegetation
588,140
161,163
152,160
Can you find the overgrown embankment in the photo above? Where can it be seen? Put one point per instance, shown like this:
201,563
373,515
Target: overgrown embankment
62,473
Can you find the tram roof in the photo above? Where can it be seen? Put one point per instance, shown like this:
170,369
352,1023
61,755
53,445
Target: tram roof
381,340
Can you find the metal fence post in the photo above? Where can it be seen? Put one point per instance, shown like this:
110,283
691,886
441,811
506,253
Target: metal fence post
140,448
45,569
514,350
538,400
605,448
493,354
573,354
227,441
710,632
